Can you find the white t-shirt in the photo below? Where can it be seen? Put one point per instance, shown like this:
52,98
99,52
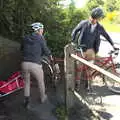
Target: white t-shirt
93,26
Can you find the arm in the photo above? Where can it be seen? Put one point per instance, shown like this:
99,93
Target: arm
76,30
22,46
45,49
105,34
96,44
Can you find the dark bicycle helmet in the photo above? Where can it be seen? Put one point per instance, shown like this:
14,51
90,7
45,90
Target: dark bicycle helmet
97,13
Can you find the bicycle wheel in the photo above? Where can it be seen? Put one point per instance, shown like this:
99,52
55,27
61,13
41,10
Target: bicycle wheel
91,94
110,83
48,73
51,74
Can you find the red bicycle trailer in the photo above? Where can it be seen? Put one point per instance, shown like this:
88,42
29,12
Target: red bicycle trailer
14,82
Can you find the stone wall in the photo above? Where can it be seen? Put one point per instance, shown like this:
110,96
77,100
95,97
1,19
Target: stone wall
10,57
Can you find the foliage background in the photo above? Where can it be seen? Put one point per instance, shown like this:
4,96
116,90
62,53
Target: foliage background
17,15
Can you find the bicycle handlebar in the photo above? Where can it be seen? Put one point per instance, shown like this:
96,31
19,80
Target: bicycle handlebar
116,48
115,52
78,48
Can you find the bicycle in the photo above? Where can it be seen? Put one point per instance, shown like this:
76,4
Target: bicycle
105,62
51,73
113,67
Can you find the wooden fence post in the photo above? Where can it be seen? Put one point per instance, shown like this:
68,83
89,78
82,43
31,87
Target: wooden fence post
69,75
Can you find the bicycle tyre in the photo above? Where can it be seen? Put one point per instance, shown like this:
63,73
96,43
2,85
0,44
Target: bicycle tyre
110,83
91,95
48,73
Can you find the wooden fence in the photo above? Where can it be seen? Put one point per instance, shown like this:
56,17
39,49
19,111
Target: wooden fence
69,68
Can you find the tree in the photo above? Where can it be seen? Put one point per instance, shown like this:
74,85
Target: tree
94,3
17,15
112,5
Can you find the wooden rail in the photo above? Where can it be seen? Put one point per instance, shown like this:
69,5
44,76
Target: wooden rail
114,77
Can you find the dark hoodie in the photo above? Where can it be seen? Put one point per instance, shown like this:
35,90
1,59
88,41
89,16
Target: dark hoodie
91,40
34,47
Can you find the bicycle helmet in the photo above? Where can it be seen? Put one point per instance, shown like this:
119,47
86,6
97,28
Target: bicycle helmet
36,26
97,13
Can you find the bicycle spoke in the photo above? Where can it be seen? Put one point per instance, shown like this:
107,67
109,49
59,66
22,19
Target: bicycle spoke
51,76
110,83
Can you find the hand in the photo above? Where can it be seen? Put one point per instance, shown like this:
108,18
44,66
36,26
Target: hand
51,58
72,43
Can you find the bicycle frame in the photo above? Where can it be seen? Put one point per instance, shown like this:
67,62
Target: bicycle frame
104,62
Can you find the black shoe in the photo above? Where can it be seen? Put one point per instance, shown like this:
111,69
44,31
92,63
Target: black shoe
86,84
26,102
77,87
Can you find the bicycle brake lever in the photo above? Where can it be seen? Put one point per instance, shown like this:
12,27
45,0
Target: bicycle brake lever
116,49
116,53
111,52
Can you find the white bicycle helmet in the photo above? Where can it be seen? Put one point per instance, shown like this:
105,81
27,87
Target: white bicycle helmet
36,26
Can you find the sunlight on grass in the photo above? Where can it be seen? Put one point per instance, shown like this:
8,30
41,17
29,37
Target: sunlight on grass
111,27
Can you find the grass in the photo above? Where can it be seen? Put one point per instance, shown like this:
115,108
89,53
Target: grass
111,27
60,112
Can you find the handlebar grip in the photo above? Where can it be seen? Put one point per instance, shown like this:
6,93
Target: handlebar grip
116,53
116,49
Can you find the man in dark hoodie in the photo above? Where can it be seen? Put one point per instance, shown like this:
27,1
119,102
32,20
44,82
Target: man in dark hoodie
34,47
89,36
